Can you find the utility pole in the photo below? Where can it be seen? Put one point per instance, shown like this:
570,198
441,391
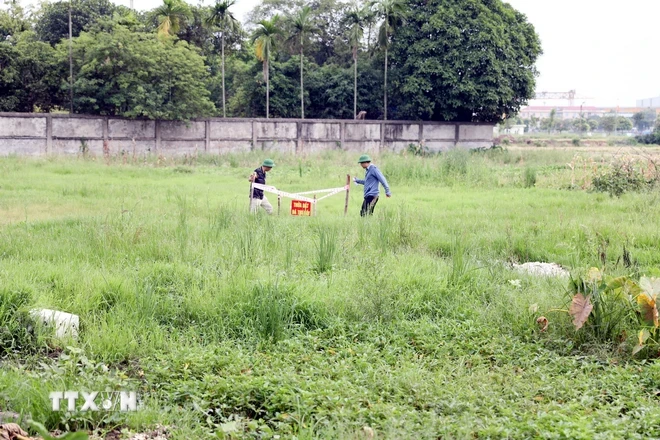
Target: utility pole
70,62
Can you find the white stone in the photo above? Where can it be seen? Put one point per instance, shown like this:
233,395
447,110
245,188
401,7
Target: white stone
541,269
65,324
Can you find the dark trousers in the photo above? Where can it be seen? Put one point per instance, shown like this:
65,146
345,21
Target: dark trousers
368,205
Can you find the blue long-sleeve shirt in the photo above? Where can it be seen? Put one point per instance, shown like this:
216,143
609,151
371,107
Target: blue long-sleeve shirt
371,180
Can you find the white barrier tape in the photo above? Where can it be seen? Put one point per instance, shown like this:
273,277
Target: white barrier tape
272,189
336,191
326,190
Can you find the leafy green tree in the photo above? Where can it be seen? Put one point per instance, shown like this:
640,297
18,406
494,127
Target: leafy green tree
463,60
171,15
613,123
135,74
29,74
265,38
581,125
644,120
223,18
52,20
302,25
13,21
354,21
391,11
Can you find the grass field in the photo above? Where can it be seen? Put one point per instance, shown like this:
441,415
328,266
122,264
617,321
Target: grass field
410,324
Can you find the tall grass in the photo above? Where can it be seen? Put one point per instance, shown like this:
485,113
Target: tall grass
336,321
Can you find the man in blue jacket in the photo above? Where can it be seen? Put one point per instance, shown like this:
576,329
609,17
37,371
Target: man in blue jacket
371,180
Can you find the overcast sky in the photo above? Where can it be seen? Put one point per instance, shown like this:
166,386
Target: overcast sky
604,51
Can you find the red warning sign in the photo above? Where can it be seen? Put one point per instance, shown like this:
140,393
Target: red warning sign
300,207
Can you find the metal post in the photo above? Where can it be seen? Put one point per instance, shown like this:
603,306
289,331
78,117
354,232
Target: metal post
252,177
70,62
314,206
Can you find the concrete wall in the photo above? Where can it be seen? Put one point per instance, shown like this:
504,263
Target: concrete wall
37,134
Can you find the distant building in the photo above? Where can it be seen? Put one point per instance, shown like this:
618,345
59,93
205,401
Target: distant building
568,112
649,102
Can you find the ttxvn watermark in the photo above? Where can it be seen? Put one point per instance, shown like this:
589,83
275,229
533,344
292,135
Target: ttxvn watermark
94,401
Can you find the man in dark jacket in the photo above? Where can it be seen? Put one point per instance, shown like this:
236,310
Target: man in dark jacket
258,196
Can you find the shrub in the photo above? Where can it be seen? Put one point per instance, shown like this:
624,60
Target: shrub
576,142
622,176
530,177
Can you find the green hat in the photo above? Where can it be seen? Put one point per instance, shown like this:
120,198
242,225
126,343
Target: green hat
268,163
364,158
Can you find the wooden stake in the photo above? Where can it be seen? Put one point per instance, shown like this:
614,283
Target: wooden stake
348,187
251,191
279,203
314,206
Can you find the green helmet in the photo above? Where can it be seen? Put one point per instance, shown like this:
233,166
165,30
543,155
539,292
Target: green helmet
268,163
364,158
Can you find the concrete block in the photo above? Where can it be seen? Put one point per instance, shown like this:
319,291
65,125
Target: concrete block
362,147
116,147
179,148
231,130
65,324
67,146
397,146
22,147
227,147
402,132
87,128
319,146
277,130
321,131
474,144
124,128
176,130
362,132
286,147
439,146
475,132
28,127
438,132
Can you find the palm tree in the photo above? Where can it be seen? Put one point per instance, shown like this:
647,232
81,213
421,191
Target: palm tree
354,19
225,20
171,14
391,12
302,25
265,37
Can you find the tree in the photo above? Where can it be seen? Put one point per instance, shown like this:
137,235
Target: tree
29,74
136,74
552,120
52,23
463,60
644,120
391,11
265,39
302,25
171,15
354,20
225,20
581,125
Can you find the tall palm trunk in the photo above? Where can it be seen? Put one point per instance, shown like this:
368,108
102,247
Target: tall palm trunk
302,90
267,89
385,87
355,84
224,109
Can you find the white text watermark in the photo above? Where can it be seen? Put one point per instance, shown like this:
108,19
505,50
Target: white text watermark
94,401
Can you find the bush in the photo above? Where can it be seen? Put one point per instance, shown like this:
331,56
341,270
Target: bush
17,333
576,142
621,177
530,177
649,139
